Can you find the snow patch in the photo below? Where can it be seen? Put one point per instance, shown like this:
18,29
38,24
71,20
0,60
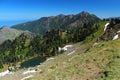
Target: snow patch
30,76
68,46
50,59
118,31
71,53
5,73
29,71
60,49
106,25
64,48
116,37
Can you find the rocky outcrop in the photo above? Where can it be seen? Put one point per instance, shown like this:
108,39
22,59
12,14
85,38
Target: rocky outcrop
7,33
111,31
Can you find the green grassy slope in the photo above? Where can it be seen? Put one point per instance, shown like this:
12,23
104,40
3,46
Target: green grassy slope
101,62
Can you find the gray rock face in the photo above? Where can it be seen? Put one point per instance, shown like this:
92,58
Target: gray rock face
7,33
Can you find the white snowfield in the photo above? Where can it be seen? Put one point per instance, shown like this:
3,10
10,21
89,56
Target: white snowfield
25,78
29,71
116,37
64,48
5,73
71,53
106,25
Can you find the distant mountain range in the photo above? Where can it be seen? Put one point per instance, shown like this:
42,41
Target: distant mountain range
113,18
62,21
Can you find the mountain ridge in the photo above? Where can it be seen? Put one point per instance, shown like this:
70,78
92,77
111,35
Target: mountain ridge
61,21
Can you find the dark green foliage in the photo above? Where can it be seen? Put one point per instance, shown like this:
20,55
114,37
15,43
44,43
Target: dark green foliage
113,22
48,44
13,51
1,64
82,32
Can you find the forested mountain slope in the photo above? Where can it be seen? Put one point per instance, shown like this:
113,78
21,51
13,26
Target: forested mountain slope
61,21
27,45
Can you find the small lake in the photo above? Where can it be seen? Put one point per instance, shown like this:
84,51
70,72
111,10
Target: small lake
32,62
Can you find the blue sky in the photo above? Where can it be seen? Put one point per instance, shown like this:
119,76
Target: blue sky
25,10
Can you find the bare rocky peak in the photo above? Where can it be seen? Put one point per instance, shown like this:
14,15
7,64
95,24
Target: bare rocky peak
7,33
84,13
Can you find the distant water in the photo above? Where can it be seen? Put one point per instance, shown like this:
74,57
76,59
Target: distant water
12,22
32,62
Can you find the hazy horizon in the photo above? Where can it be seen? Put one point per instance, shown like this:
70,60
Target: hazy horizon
10,23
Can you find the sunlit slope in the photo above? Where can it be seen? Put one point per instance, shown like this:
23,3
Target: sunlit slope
100,62
89,61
